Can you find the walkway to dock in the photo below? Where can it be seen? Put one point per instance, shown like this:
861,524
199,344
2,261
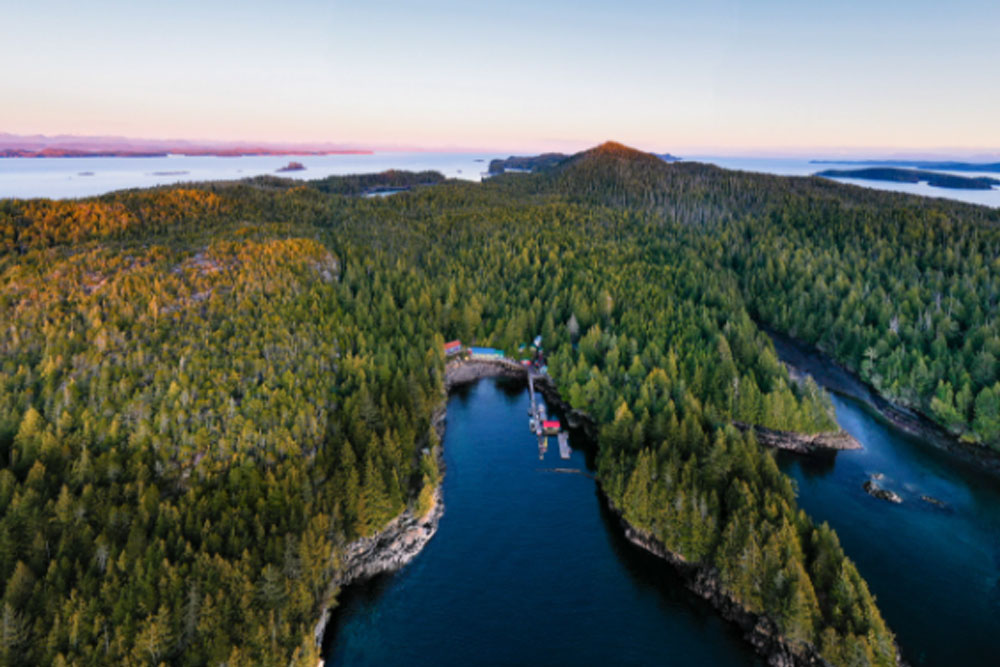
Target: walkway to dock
537,409
537,423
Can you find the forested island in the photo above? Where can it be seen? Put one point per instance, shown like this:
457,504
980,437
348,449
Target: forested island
209,393
526,163
938,165
530,163
932,178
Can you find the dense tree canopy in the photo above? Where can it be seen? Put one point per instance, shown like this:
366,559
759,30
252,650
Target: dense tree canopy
207,391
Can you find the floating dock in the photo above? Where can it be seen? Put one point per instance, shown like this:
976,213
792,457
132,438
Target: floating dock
564,450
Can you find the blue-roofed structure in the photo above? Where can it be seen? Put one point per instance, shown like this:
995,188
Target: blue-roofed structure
485,353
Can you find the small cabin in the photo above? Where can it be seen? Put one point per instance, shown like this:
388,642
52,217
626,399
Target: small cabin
551,426
452,348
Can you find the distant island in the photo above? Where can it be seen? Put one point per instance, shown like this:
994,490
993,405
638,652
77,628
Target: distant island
946,165
534,163
526,163
40,146
293,166
199,152
932,178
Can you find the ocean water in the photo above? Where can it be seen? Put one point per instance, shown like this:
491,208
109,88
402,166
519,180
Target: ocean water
803,167
61,178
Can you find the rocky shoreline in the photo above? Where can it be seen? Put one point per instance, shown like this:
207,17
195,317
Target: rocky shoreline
386,551
835,377
759,630
460,372
405,536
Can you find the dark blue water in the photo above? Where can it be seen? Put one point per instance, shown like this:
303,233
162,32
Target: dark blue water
527,568
935,572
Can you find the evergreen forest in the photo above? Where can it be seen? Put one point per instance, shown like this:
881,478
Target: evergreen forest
207,391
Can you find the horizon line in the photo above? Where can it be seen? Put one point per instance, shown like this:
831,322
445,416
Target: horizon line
542,146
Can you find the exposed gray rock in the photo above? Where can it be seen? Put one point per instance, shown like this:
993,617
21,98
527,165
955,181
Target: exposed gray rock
386,551
461,372
877,491
802,443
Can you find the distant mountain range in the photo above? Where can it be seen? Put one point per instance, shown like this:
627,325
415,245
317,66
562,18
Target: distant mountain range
947,165
40,146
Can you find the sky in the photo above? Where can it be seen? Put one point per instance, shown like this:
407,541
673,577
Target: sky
773,77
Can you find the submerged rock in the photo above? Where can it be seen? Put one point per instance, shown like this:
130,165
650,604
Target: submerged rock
934,501
876,491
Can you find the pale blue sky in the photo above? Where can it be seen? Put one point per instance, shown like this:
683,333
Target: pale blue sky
714,76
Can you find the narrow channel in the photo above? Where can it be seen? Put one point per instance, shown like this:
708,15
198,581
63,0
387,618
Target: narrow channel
527,567
935,569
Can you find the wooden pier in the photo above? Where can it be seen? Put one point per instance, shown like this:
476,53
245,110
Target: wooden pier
537,409
542,426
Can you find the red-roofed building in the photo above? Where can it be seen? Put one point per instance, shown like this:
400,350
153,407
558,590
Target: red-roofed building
452,348
551,426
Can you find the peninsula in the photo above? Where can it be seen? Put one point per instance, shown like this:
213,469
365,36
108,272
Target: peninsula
897,175
934,165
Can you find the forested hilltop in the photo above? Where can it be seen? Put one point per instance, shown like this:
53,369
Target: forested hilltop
208,391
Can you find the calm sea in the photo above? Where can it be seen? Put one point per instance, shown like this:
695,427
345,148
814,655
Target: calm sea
62,178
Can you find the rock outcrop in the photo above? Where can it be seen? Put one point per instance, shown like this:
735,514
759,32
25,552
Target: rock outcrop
386,551
802,443
461,372
877,491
